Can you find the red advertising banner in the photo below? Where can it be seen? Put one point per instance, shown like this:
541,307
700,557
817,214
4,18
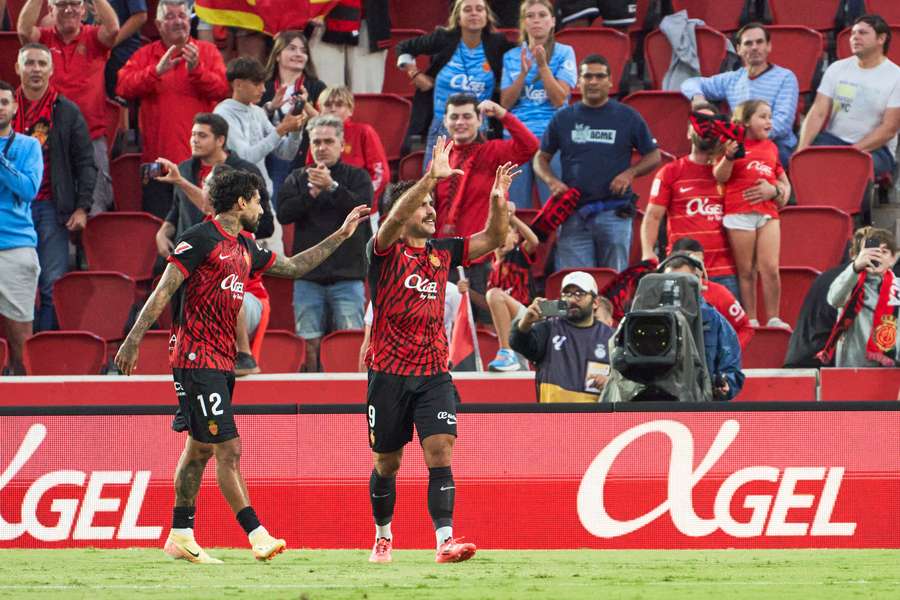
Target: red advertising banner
524,480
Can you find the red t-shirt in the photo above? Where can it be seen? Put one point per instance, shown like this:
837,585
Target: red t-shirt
724,301
78,73
760,162
694,207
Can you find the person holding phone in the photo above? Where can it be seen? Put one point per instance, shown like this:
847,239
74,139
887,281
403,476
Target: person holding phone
566,342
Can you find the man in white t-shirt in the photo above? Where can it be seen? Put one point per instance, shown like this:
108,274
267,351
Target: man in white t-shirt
861,94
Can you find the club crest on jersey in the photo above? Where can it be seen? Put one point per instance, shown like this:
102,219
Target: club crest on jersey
427,289
182,247
435,261
213,427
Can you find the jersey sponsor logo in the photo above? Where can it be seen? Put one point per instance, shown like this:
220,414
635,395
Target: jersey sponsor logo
761,168
86,505
182,247
582,134
768,512
461,81
705,208
427,289
447,416
179,390
233,284
736,310
535,94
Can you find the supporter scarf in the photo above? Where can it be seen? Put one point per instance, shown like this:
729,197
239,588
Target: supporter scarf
557,209
620,291
882,343
720,128
37,119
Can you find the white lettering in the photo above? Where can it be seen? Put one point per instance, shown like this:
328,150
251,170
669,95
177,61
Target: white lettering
93,503
761,168
232,283
703,207
427,289
461,81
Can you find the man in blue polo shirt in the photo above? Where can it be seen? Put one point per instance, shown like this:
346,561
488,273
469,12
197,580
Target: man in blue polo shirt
595,138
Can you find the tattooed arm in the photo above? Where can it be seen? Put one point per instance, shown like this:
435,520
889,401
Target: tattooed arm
126,357
302,263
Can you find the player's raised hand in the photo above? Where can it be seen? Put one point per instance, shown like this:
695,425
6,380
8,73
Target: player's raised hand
356,216
440,159
126,357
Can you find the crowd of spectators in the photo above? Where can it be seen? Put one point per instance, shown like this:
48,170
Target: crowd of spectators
287,114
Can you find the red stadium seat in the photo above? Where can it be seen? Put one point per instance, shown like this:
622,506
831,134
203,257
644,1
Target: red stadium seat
339,351
126,182
842,43
396,80
416,14
799,49
795,282
282,352
94,301
554,282
488,344
815,14
14,7
766,349
281,302
9,52
634,257
122,241
148,30
711,47
389,115
889,10
611,43
667,115
511,33
153,354
831,227
641,185
723,15
411,166
4,352
835,176
287,238
64,353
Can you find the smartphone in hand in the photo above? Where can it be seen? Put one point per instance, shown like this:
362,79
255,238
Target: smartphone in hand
553,308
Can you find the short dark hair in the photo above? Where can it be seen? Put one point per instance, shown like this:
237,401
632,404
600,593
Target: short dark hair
225,187
216,123
687,244
245,67
462,100
705,106
754,25
594,59
880,26
395,191
678,260
8,88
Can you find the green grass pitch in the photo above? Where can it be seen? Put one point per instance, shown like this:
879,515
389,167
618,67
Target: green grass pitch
136,574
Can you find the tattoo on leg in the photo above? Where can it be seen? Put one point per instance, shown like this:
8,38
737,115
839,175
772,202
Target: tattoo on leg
187,482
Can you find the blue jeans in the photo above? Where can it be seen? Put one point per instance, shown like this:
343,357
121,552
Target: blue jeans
278,169
434,130
520,190
602,239
882,160
784,152
730,282
53,254
313,302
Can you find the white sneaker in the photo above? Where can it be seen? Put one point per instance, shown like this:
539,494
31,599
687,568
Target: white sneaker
185,547
776,322
754,323
266,547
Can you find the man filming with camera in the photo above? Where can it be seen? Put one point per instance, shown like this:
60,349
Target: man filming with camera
566,342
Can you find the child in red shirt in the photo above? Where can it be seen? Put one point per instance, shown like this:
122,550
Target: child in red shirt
756,188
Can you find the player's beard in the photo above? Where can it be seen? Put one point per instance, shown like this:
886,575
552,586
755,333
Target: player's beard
703,144
249,225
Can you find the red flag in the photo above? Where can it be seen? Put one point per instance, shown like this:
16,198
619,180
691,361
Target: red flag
269,16
464,353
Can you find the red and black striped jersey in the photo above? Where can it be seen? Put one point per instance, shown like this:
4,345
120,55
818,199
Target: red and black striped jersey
216,266
512,274
407,286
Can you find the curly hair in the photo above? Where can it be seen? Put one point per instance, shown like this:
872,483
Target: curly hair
226,186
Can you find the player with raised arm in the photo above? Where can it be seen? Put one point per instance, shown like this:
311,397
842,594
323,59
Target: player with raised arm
215,261
409,381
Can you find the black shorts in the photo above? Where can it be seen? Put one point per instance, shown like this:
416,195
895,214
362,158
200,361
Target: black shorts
204,401
396,402
615,13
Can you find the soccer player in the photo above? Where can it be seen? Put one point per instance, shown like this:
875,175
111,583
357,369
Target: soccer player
409,381
215,261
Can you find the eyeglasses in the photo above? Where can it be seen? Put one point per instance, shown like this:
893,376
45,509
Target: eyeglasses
576,295
68,6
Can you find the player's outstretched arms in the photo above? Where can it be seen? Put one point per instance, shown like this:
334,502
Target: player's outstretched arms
390,229
127,355
494,233
302,263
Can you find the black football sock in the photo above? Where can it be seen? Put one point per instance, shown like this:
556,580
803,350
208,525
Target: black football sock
383,495
183,517
441,495
248,519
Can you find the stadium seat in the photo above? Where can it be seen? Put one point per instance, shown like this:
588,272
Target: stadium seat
488,344
766,349
601,275
799,49
13,8
94,301
889,10
153,354
389,115
842,43
4,352
287,238
148,29
795,282
411,166
711,47
9,50
282,352
641,185
339,351
123,242
281,302
416,14
832,229
836,176
511,33
611,43
395,80
723,15
634,257
126,182
667,115
815,14
64,353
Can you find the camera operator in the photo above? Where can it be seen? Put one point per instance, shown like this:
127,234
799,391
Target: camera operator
566,342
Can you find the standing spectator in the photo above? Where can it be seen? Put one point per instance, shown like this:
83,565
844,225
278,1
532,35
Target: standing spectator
466,58
595,138
80,54
537,79
173,78
860,98
21,169
63,199
132,15
581,13
686,192
314,198
757,79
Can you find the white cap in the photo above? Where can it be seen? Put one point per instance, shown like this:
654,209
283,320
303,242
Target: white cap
580,279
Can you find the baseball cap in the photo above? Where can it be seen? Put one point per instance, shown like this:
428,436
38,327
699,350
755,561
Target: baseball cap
581,280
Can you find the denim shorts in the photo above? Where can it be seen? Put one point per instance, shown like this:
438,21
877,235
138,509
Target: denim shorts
314,303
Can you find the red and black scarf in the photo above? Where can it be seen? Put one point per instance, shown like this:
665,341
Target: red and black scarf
35,118
718,127
555,212
882,344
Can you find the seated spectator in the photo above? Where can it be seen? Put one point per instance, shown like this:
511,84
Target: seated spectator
721,347
173,78
860,98
466,58
132,15
82,54
595,138
757,79
571,352
317,199
582,13
865,294
65,195
537,79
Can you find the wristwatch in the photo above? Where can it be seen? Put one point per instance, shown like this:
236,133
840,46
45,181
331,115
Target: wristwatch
333,187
